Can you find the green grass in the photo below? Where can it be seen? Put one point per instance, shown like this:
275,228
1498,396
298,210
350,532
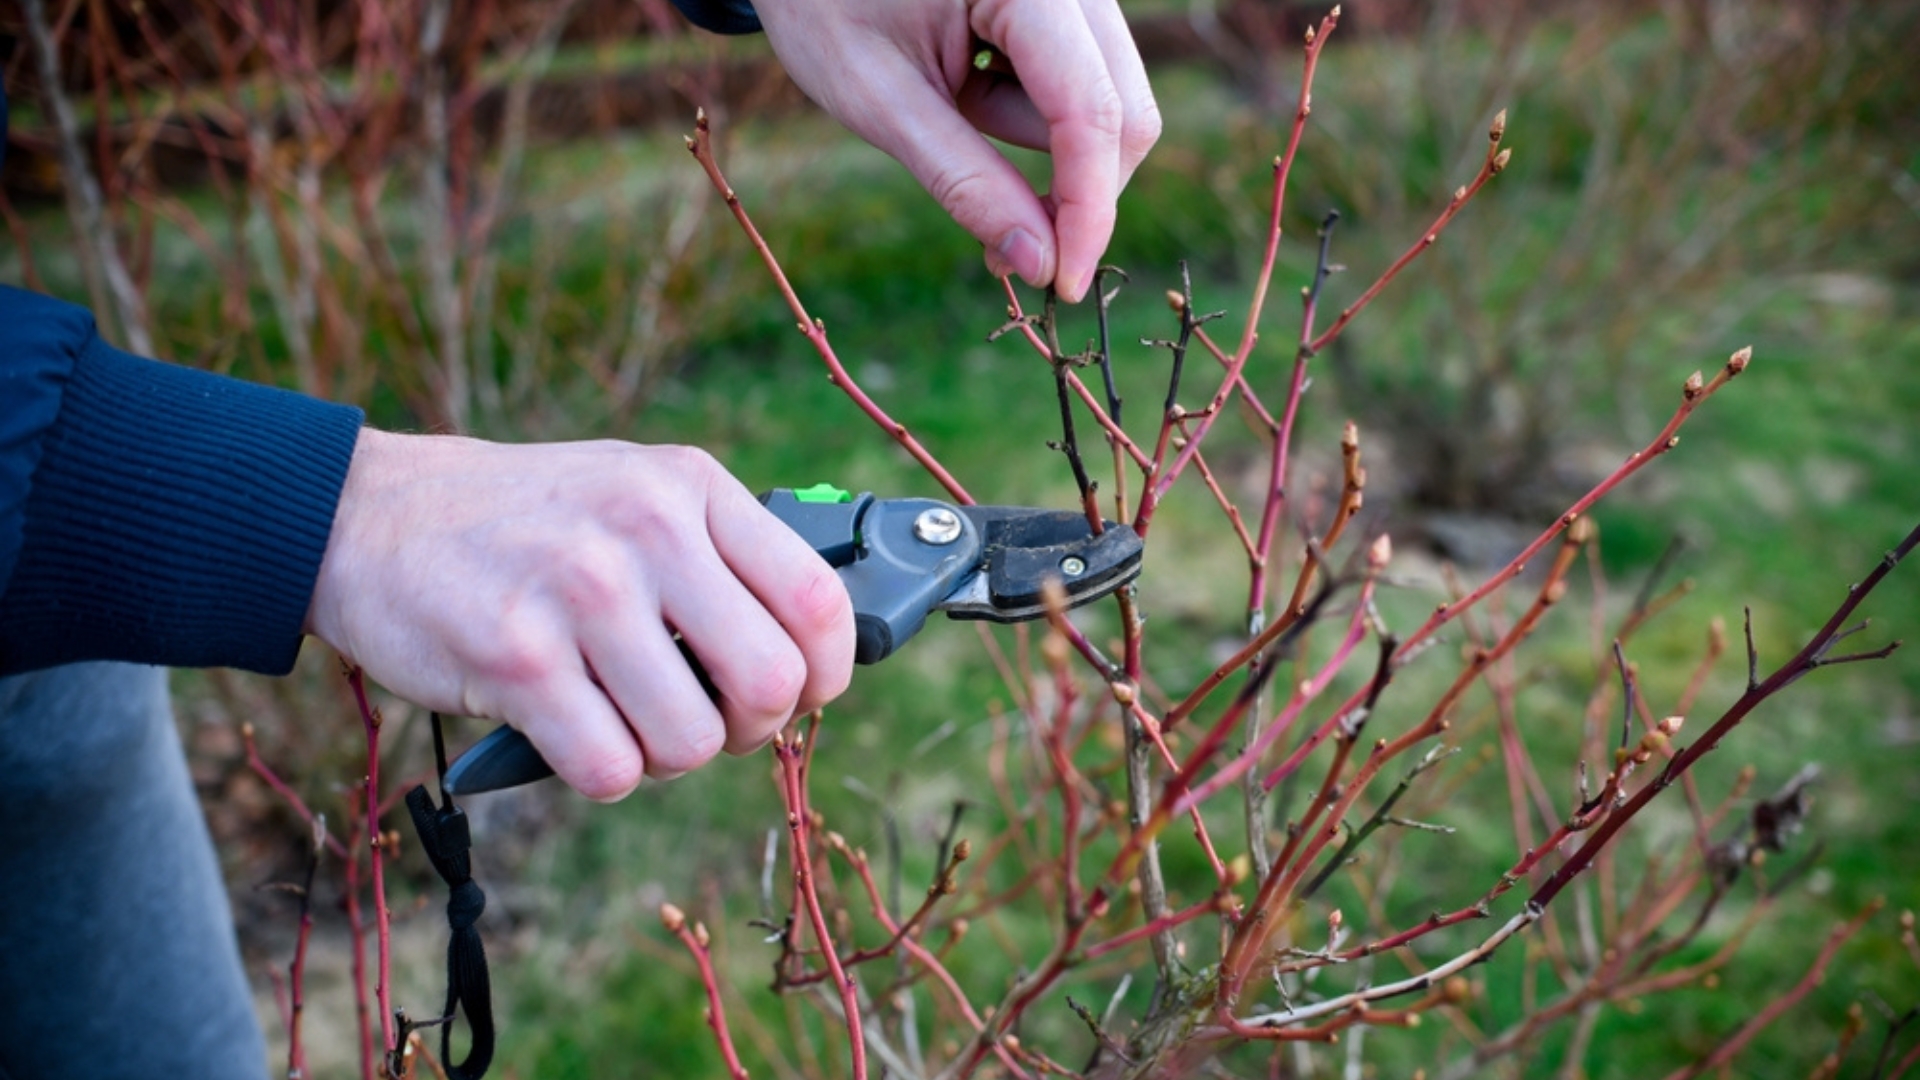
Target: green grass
1786,488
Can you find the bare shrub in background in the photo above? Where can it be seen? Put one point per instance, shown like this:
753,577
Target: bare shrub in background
1665,200
354,176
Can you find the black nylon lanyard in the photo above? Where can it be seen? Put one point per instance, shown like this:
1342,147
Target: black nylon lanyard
447,840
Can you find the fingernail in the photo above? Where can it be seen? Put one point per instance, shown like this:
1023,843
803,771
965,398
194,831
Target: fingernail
1018,253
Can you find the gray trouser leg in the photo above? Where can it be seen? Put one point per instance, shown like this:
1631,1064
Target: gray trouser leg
117,952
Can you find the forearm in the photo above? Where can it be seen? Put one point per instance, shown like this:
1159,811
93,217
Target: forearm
173,517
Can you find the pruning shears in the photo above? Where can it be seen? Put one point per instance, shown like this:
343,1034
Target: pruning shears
900,559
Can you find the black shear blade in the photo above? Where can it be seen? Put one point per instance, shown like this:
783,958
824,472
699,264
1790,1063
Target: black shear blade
1025,548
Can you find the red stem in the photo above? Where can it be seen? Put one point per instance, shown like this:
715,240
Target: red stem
701,144
383,988
799,827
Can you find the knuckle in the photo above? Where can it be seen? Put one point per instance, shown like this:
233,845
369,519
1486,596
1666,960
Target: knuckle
515,657
692,746
611,777
773,689
821,606
1142,131
966,195
592,577
1103,111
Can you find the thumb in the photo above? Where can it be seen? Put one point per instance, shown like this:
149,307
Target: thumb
923,129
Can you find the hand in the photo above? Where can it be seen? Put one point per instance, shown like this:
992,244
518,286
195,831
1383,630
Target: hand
542,585
900,74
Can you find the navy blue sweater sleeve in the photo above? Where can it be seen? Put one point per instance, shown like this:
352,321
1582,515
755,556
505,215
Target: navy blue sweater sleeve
151,512
721,16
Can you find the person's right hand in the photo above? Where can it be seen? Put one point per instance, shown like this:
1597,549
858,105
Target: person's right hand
542,585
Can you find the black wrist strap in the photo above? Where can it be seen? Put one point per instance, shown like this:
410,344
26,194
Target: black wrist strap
445,837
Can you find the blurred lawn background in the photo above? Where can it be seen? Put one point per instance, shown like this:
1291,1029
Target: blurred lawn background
1687,178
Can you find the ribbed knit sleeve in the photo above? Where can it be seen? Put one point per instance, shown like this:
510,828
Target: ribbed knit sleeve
39,341
721,16
174,517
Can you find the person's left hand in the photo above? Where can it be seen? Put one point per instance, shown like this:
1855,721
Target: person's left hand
901,74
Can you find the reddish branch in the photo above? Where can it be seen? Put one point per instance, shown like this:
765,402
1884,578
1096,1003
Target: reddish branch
792,756
701,145
1723,1057
1813,655
383,988
696,941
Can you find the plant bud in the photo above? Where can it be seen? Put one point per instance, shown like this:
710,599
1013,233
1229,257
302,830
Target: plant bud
1054,649
672,918
1692,387
1670,726
1738,362
1334,919
962,850
1350,436
1380,552
700,934
1582,530
1500,159
1176,300
1124,693
1239,869
1499,127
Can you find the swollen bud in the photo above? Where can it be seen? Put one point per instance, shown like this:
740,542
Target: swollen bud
1500,160
1176,300
1692,387
1499,127
1738,362
962,850
672,918
1380,552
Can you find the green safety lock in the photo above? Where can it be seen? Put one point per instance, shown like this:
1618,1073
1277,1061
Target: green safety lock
822,493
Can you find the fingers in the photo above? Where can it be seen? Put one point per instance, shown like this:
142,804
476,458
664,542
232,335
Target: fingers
577,730
1140,114
1061,68
917,123
790,648
541,585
